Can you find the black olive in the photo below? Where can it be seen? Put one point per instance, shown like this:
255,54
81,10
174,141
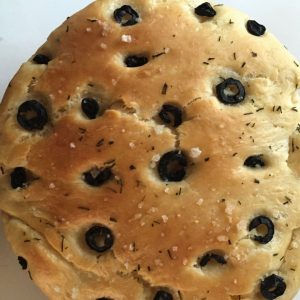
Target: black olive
135,61
255,28
262,220
204,260
32,115
126,16
162,295
22,262
172,166
99,238
254,161
96,176
205,10
90,107
18,178
272,287
41,59
227,98
171,114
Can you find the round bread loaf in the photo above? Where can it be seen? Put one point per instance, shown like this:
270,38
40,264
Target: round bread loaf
150,150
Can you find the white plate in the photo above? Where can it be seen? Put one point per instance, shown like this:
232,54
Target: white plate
25,25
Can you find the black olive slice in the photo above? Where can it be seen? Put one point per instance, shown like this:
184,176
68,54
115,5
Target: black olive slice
135,61
268,224
99,238
204,260
272,287
22,262
32,115
255,28
224,94
90,107
126,16
18,178
41,59
172,166
162,295
171,114
205,10
97,176
255,161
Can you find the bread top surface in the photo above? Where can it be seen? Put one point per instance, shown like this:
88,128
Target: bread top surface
161,230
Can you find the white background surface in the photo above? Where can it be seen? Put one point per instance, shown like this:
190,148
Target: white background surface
25,25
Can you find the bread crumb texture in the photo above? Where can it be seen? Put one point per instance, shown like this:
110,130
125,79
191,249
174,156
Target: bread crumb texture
150,150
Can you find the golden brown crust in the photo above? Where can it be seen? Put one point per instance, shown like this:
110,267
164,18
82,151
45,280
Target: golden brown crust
160,228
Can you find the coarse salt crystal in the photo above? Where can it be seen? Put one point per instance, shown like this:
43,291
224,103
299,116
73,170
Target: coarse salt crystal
72,145
126,38
184,262
222,238
158,262
103,46
174,248
165,218
88,29
131,145
195,152
51,186
229,209
114,81
156,158
153,209
200,202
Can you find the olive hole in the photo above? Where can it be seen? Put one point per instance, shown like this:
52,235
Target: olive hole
127,17
170,114
174,166
135,61
231,90
100,240
30,114
261,230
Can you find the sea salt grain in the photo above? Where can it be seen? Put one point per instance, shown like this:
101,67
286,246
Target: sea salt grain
195,152
51,186
165,218
126,38
200,202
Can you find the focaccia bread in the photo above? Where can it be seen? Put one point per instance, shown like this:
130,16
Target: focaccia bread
150,150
